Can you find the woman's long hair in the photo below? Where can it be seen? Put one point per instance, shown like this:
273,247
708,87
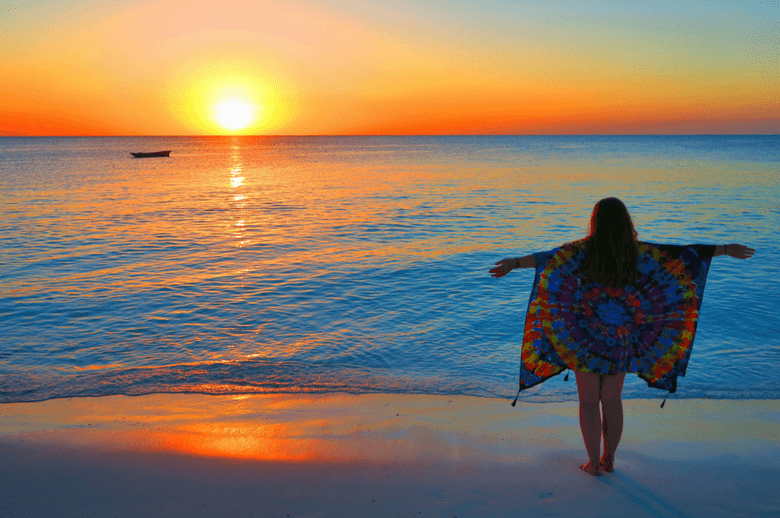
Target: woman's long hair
611,245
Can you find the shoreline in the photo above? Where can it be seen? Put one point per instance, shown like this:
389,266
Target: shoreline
381,455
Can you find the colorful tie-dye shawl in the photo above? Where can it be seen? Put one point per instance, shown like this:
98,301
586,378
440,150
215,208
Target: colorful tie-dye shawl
647,328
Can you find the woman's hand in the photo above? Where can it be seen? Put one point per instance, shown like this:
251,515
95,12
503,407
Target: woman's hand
739,251
503,267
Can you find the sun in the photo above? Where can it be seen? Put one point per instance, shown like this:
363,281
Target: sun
234,115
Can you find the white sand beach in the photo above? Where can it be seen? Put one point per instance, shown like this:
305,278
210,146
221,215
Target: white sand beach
339,455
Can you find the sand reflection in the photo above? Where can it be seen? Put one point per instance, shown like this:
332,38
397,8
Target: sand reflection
290,428
374,429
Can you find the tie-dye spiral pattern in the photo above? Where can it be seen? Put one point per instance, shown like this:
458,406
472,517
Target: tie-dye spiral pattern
647,328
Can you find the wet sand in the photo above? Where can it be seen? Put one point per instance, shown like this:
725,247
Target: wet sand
380,455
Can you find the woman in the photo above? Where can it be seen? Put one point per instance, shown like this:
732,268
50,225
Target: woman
609,304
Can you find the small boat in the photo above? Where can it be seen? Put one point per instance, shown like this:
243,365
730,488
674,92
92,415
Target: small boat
153,154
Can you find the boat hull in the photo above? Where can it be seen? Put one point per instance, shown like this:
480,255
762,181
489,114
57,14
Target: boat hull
154,154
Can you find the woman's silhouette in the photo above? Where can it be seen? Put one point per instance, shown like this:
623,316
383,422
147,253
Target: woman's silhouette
610,268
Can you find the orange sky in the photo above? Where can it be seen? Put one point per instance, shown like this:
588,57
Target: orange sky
84,67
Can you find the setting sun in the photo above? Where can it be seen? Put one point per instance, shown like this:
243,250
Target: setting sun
340,68
234,115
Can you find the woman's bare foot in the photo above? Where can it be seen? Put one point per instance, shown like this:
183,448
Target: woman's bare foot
591,470
606,464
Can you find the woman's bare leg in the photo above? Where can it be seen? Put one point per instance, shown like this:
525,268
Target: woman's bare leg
588,388
612,407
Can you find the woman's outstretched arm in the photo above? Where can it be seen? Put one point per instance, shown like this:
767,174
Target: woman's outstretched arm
504,266
734,250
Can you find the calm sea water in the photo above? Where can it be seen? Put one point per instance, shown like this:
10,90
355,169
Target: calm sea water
354,264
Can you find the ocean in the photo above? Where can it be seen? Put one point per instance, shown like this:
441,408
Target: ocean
354,264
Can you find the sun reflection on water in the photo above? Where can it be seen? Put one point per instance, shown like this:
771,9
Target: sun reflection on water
237,181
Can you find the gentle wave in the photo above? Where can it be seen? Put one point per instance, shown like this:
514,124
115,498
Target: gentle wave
255,376
262,377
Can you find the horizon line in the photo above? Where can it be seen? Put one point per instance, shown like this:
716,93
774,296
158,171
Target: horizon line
411,135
